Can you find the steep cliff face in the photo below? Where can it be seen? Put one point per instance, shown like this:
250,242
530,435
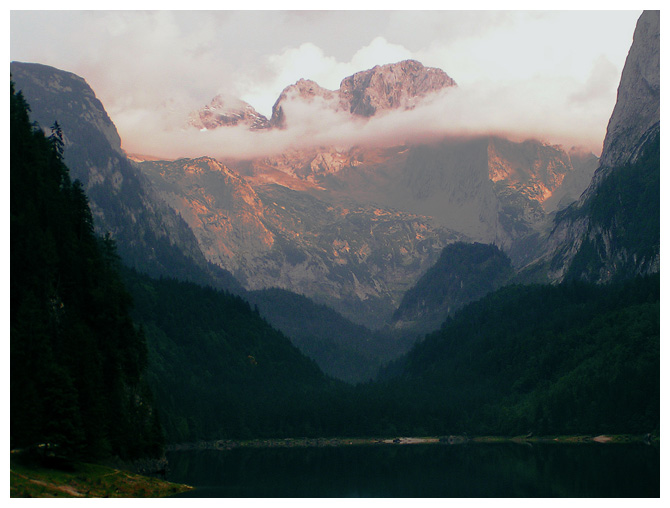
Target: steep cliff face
613,231
149,235
637,111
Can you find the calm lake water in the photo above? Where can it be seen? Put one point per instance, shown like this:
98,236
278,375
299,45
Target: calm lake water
469,470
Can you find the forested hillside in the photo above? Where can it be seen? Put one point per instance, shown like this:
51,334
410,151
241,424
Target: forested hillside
573,358
624,235
342,349
464,273
77,359
219,370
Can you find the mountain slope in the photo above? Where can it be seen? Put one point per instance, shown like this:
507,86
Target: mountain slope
149,235
218,370
342,349
572,358
77,359
359,259
464,273
587,243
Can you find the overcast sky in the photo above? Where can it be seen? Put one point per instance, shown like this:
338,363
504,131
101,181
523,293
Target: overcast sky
547,74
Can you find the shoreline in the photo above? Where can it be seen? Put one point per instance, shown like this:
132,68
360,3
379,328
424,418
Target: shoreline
305,442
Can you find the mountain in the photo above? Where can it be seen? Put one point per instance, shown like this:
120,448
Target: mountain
463,273
225,111
582,354
149,235
391,86
218,370
78,361
488,188
356,258
342,349
363,94
572,358
613,231
366,93
271,221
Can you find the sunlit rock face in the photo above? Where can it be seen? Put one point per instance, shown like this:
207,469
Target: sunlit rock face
226,111
385,87
358,258
488,188
391,86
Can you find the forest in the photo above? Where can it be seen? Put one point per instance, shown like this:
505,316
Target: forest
77,359
106,360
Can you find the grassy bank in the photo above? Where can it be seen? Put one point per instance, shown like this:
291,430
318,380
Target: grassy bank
28,479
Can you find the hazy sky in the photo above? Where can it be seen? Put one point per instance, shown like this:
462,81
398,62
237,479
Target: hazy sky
547,74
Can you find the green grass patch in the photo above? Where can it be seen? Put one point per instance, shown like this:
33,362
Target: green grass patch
28,479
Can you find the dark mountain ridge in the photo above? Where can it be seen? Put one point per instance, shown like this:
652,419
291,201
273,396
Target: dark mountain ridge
464,273
149,235
588,243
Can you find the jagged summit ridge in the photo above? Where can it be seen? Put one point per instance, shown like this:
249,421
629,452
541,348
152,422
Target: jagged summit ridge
384,87
391,86
227,111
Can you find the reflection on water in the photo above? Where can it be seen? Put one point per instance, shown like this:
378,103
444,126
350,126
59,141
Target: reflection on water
472,470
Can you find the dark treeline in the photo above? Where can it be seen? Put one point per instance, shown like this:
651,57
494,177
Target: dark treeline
219,370
572,358
76,357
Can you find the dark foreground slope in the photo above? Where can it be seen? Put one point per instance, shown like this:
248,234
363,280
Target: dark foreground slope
573,358
220,371
463,273
77,360
623,236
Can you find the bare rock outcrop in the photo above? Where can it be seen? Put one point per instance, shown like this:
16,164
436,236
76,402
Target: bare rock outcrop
228,111
637,109
366,93
392,86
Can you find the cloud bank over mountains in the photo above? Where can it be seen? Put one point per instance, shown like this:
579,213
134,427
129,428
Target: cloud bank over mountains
547,75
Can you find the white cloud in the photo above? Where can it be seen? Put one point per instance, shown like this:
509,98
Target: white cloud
378,52
308,61
553,74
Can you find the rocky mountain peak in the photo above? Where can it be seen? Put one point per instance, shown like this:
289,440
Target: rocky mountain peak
391,86
304,90
227,111
384,87
637,109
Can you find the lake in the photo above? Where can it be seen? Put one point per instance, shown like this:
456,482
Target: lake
433,470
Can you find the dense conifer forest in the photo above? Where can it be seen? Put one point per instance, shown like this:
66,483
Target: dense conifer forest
77,359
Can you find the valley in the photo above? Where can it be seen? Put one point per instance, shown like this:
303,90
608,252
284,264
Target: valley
347,277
